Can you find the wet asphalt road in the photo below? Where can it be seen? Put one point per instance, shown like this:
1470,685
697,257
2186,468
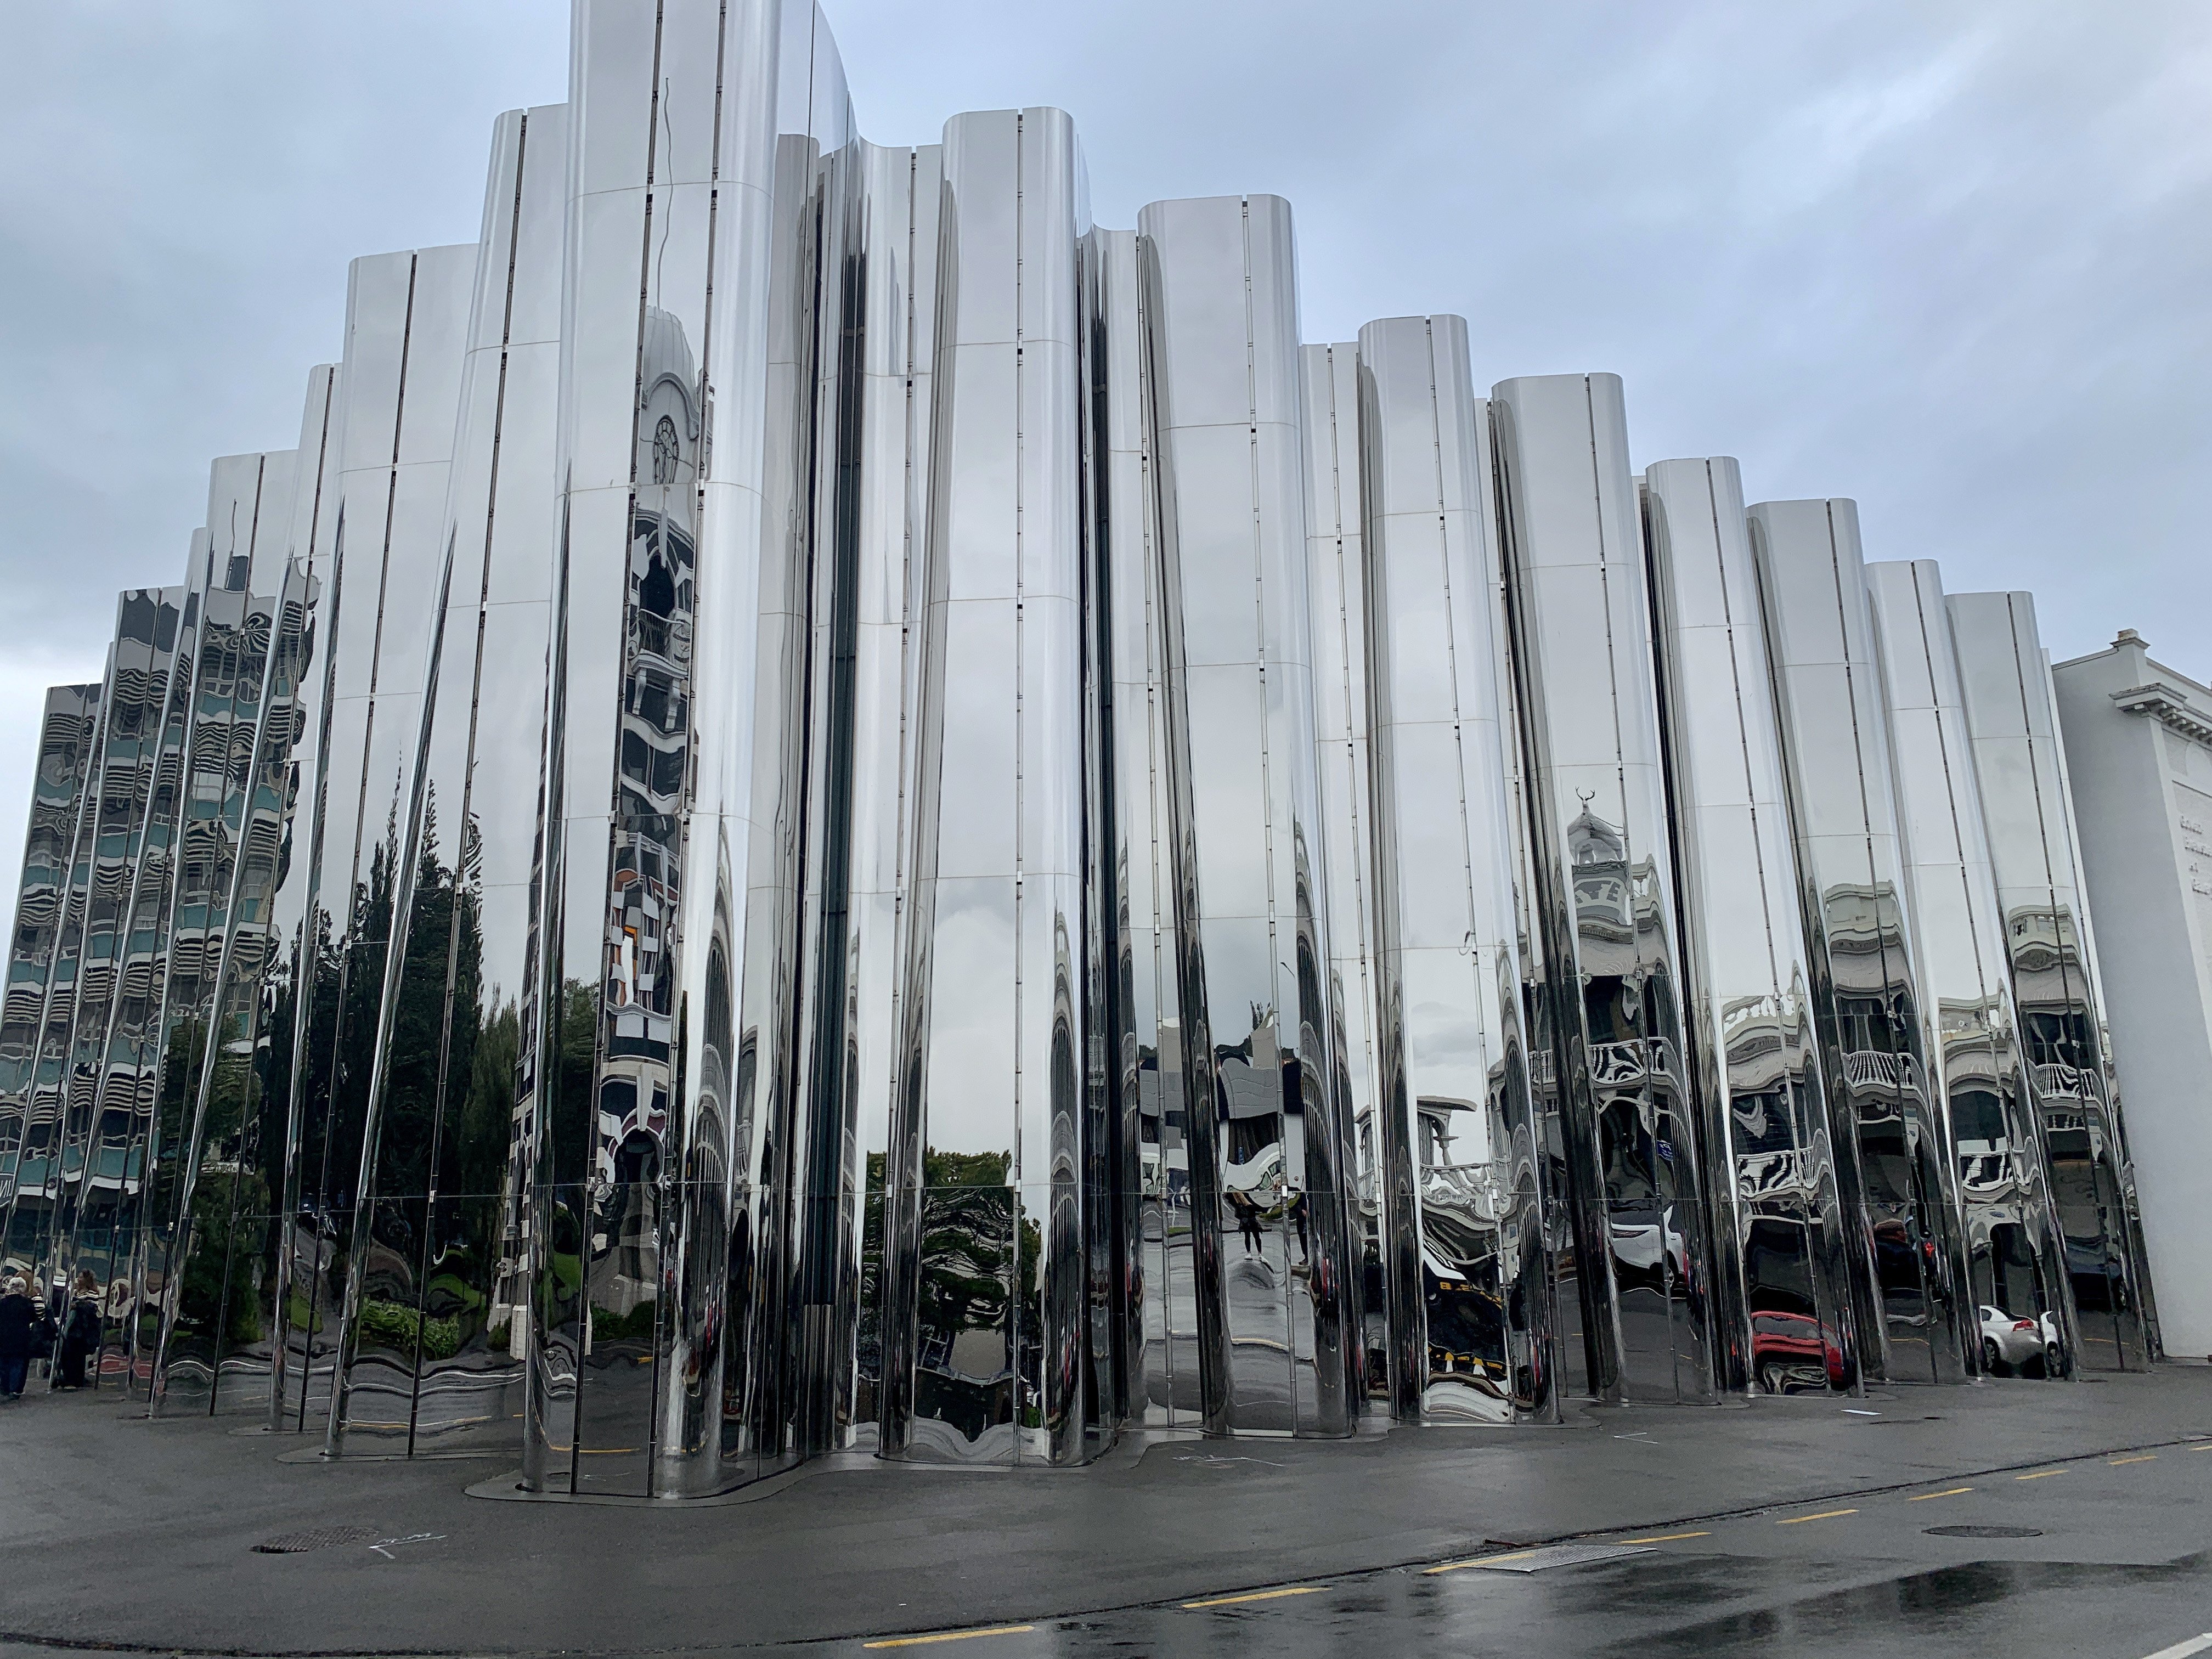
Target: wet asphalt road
1788,1527
2121,1566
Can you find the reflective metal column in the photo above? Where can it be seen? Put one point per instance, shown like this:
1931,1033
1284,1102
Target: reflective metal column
866,526
1784,1263
39,1218
375,552
1611,947
302,1299
244,723
137,1081
658,1252
1329,399
429,1344
2014,742
1278,1347
2015,1257
1146,1004
1469,1285
989,1358
69,734
96,1224
109,1222
1869,994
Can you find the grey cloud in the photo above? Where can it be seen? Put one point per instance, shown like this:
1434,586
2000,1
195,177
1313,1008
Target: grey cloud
1947,258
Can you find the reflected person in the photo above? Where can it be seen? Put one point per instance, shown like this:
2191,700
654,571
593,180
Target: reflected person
24,1329
1248,1221
80,1330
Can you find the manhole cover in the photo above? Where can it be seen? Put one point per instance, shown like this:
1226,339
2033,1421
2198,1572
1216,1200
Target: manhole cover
315,1538
1983,1532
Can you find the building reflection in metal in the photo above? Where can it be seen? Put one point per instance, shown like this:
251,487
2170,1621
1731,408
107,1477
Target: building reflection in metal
49,910
1866,983
1468,1280
208,1167
430,1342
2016,1258
2012,728
660,1361
990,1311
1336,580
1783,1260
830,809
1278,1346
94,1183
1605,900
1145,1017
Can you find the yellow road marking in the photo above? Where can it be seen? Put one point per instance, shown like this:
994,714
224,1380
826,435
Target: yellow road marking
1925,1496
1666,1538
948,1636
2207,1446
1256,1595
2147,1457
2041,1475
1481,1561
1825,1515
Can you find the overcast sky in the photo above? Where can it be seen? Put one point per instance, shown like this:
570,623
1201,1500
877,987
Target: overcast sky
1955,260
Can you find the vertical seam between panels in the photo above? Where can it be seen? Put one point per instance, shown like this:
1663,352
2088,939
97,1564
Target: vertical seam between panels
1951,788
391,497
2042,821
1014,1170
475,700
1355,721
1259,607
1742,730
1472,938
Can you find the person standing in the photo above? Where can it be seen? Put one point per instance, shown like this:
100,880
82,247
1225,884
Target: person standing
1248,1221
81,1333
24,1329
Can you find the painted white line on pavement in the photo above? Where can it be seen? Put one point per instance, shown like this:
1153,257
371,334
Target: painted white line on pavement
2182,1650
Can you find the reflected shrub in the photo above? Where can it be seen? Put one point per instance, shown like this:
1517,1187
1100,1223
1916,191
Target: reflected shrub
394,1325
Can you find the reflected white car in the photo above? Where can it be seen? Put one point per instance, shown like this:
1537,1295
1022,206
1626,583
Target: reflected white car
2009,1341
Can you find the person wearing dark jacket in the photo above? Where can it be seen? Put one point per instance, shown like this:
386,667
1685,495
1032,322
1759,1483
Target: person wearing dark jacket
80,1334
24,1331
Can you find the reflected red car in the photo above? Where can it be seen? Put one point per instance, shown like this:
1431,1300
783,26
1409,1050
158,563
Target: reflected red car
1794,1353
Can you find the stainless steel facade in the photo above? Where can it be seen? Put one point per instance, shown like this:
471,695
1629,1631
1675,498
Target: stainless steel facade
1607,937
1782,1256
830,808
1467,1281
1867,979
2015,1257
2012,732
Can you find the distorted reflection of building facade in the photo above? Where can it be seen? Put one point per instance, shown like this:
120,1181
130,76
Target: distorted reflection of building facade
829,809
1782,1264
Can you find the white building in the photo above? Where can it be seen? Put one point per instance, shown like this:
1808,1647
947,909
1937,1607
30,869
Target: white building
2139,750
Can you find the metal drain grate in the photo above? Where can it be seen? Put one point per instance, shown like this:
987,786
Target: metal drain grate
1983,1532
315,1538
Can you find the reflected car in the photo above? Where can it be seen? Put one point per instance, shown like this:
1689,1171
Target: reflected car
2054,1348
1796,1353
1637,1243
2007,1341
1905,1258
